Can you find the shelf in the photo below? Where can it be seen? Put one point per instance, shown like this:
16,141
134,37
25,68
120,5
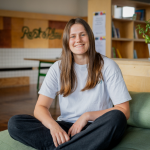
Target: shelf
126,44
122,39
121,19
139,21
130,3
139,40
128,40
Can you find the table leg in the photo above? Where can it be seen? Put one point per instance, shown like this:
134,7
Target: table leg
38,76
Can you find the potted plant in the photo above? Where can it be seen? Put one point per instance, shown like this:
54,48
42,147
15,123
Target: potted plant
145,33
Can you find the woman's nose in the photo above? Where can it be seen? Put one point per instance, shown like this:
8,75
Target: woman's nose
78,38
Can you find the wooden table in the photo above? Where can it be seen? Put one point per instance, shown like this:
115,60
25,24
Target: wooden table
50,61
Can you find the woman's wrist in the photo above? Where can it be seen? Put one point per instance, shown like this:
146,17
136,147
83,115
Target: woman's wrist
87,116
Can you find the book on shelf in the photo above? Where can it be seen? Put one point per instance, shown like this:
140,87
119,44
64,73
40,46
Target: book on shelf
135,54
134,16
118,32
118,53
140,14
115,53
135,33
114,33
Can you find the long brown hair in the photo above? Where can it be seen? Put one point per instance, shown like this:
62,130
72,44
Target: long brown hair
95,61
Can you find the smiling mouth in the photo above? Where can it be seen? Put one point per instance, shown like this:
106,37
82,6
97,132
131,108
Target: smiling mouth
79,45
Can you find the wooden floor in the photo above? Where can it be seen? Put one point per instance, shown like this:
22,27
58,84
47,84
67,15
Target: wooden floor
19,100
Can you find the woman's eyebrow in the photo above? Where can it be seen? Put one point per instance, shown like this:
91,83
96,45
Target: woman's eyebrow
77,33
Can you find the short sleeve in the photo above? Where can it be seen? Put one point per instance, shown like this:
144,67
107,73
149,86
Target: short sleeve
49,86
115,84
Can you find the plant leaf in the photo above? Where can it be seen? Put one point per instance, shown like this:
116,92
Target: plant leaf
145,40
147,37
146,30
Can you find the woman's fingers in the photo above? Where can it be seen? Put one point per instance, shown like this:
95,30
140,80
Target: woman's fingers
69,132
72,131
67,137
55,140
60,138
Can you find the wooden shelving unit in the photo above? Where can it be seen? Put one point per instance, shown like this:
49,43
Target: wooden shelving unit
126,43
121,39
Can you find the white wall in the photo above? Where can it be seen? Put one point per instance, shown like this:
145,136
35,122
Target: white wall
59,7
82,8
14,58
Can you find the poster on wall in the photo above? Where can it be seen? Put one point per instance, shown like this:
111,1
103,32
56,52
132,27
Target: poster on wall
99,21
99,30
100,44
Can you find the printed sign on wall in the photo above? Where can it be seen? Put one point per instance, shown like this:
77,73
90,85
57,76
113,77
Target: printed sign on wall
30,33
99,21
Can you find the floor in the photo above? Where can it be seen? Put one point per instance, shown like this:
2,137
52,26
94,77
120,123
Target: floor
19,100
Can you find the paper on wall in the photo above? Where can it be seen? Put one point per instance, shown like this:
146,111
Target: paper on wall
99,21
100,45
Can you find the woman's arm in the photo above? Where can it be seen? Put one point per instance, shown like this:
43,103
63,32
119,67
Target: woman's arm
124,107
41,112
91,116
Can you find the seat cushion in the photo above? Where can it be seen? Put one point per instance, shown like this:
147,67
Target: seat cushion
139,110
135,139
8,143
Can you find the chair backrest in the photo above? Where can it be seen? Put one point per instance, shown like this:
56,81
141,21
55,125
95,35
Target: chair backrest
136,73
139,110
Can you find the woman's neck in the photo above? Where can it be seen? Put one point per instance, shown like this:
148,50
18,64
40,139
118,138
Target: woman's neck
80,59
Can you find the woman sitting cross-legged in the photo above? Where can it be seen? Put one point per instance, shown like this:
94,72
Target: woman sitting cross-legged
88,85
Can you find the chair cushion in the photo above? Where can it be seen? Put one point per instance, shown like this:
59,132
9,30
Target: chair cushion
8,143
139,110
135,139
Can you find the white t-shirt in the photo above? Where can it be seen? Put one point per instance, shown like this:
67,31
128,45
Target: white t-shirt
104,95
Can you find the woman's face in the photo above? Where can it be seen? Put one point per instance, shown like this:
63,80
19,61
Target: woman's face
78,40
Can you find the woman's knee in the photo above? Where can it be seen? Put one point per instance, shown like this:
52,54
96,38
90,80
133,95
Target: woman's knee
13,121
15,124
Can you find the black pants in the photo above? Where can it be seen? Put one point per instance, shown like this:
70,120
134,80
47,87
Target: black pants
103,134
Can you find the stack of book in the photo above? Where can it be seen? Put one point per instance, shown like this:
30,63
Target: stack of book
140,14
115,53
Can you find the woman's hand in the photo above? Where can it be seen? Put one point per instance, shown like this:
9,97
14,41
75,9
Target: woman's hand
78,125
59,135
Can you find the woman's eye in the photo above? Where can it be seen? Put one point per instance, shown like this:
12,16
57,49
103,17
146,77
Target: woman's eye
72,36
82,34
